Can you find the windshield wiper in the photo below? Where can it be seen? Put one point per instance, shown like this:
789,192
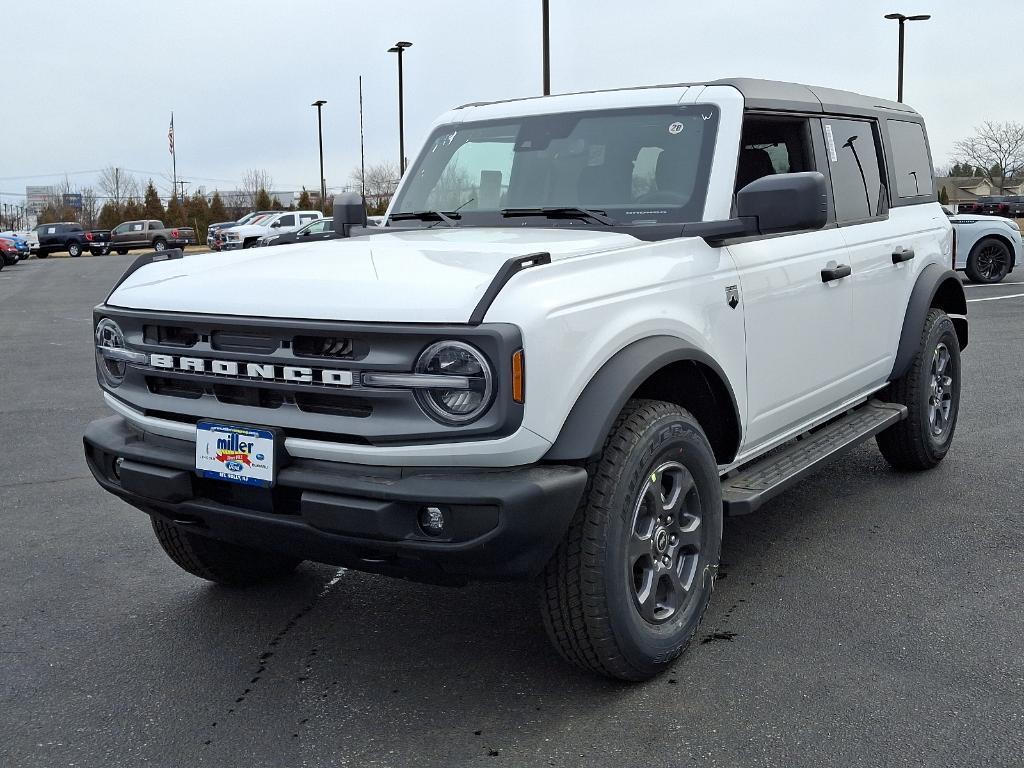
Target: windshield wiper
562,212
448,218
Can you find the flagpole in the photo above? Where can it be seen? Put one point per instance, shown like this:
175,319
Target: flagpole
174,159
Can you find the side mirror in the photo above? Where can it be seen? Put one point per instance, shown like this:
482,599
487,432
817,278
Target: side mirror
349,211
785,202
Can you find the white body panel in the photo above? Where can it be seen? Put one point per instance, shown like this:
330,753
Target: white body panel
971,229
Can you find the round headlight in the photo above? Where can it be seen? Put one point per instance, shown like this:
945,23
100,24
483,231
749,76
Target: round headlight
109,336
458,405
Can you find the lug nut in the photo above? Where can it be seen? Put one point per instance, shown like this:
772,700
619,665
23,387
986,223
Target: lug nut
672,539
668,520
666,560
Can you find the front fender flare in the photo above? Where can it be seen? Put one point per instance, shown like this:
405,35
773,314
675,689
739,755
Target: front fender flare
586,428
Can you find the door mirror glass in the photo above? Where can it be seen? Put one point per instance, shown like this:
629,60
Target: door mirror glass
785,202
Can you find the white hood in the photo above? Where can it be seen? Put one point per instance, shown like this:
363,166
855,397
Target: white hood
435,275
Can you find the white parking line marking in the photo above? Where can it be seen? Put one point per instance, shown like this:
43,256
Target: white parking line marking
990,285
998,298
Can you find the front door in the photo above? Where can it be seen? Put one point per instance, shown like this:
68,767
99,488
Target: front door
798,307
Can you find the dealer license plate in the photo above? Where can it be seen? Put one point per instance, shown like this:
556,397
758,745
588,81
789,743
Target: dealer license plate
237,454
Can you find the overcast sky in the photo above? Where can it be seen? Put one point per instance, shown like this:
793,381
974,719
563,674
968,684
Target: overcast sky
92,84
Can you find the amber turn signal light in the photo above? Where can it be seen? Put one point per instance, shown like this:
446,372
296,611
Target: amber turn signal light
518,381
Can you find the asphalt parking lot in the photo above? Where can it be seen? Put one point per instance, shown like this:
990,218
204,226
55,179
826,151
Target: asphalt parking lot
865,618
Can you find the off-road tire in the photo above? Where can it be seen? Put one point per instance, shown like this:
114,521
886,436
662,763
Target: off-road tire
74,250
911,444
587,595
218,561
989,261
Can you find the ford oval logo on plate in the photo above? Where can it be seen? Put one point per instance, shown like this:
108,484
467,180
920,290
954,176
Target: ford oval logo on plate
234,466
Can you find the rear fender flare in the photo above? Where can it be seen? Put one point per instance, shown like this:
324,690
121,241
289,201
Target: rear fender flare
935,287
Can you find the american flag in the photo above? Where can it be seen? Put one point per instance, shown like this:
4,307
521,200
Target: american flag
170,136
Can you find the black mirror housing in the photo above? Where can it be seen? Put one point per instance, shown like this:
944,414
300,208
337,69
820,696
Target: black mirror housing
785,202
349,211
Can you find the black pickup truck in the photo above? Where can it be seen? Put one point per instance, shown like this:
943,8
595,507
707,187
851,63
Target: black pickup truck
73,238
989,205
132,235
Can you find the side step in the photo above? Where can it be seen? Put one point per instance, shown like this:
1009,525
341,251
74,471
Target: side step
747,490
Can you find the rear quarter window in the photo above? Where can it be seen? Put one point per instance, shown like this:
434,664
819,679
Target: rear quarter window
910,160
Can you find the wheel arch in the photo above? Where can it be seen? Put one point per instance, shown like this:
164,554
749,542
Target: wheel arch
659,368
936,288
1004,239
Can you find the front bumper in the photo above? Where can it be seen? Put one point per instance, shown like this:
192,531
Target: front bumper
231,245
502,523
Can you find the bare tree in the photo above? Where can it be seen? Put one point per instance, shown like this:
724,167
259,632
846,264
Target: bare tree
997,149
254,181
379,185
90,208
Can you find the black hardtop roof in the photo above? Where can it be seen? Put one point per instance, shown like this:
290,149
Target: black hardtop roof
778,95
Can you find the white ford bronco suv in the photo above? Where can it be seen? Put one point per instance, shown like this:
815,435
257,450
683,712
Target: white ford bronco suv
593,325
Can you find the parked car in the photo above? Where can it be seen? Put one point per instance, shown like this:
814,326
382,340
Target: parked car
988,248
71,237
320,229
988,205
9,251
248,235
218,238
642,310
28,235
133,235
21,248
212,229
1014,206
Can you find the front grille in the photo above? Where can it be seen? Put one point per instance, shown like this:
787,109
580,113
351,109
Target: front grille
169,336
333,405
159,385
243,343
233,394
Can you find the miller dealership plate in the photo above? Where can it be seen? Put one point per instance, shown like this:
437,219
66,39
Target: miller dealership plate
238,454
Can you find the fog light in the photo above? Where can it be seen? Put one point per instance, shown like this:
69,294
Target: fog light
117,467
432,520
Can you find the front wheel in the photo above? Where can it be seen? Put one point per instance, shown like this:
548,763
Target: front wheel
989,261
219,561
627,588
931,391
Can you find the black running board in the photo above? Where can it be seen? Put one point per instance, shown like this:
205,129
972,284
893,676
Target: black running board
747,490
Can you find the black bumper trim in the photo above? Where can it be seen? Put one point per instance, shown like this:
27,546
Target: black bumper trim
504,523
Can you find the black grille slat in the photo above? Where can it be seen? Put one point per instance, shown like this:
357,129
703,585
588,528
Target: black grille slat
243,343
333,405
160,385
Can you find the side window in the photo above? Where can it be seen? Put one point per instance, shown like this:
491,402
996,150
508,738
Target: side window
773,145
305,218
287,221
50,231
857,187
316,229
910,160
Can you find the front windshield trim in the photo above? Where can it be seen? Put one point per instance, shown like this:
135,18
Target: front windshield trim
413,194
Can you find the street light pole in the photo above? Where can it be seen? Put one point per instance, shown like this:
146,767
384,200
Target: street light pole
546,36
398,48
903,20
320,133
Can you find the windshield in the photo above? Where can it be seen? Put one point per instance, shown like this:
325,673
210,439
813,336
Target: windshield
639,166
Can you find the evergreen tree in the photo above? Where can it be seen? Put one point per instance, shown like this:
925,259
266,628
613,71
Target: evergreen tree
305,202
133,209
276,205
943,196
152,207
110,215
175,216
218,212
263,201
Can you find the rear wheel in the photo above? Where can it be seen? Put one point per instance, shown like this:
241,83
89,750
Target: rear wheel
219,561
989,261
931,391
627,588
159,244
122,251
41,254
74,249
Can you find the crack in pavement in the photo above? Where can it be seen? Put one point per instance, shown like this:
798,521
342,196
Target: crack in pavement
275,641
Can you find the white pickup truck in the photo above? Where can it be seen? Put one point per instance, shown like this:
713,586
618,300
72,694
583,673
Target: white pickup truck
248,235
592,326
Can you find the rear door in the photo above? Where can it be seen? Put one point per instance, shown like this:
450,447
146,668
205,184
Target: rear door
889,228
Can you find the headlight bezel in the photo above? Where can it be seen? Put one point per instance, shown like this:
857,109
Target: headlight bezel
426,398
109,335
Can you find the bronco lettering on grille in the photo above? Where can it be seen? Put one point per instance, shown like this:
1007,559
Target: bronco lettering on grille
292,374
